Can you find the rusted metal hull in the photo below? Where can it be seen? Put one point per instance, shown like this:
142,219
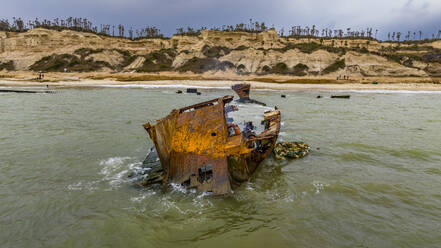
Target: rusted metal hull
197,148
242,90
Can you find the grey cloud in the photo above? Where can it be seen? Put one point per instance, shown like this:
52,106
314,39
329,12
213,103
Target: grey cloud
384,15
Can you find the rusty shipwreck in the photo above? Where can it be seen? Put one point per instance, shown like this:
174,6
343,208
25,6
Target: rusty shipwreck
200,147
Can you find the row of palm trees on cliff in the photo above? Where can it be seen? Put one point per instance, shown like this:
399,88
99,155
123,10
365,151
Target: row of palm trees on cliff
85,25
396,36
81,25
299,31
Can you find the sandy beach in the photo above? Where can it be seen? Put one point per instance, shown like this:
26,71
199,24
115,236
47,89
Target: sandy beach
276,82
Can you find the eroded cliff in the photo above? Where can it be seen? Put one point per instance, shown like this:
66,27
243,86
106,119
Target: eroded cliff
237,52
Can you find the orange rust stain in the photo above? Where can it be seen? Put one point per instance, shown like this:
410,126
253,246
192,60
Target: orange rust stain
201,132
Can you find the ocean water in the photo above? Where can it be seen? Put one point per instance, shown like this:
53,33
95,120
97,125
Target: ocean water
372,179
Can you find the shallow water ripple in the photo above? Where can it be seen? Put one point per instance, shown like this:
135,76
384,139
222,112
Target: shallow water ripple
372,179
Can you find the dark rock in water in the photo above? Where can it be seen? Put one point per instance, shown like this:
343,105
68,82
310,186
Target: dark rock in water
152,168
294,150
152,159
152,178
198,93
283,96
342,96
319,96
192,90
150,172
131,174
179,92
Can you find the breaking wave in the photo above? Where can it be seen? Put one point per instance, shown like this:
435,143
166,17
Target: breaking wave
386,91
114,172
154,86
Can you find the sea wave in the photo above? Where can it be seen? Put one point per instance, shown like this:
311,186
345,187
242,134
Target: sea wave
377,91
153,86
387,91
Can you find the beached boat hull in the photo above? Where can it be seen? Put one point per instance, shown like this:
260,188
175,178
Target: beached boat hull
199,149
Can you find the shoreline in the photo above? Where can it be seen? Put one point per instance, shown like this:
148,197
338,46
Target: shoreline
201,84
216,80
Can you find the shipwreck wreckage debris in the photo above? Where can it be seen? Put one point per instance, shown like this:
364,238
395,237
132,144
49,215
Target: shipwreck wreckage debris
291,150
243,91
200,147
27,91
341,96
192,90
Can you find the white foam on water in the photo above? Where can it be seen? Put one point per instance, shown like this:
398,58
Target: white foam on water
119,178
154,86
202,202
169,204
113,160
386,91
278,196
139,170
204,194
144,195
114,171
138,198
178,188
249,186
111,167
368,91
23,87
319,186
75,186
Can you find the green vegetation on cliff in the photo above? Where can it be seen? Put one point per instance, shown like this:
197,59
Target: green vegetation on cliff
9,65
337,65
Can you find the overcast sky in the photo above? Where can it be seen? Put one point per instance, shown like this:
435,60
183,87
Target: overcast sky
384,15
